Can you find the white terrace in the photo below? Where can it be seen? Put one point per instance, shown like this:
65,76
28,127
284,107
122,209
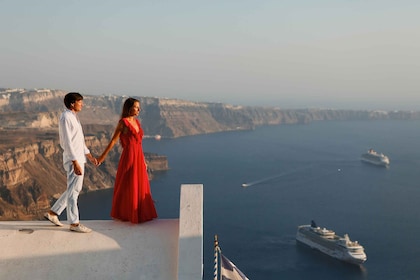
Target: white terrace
161,249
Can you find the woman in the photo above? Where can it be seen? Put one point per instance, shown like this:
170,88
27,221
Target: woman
132,200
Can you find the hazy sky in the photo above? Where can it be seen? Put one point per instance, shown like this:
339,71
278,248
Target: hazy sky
290,53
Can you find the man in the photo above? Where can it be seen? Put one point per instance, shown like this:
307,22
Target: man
72,141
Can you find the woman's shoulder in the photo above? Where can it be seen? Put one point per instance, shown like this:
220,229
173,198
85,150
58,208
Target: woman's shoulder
123,121
127,121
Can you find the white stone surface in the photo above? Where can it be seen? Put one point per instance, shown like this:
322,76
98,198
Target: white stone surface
162,249
114,250
190,250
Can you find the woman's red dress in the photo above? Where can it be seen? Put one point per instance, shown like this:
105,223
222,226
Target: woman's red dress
132,200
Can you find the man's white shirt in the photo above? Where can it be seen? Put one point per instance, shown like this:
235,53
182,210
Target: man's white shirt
72,139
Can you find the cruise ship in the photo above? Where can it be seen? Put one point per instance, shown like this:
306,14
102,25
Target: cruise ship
329,243
375,158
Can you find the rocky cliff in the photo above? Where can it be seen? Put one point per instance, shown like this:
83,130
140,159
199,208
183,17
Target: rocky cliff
168,118
32,175
31,170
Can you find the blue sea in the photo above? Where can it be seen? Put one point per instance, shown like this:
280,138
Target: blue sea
296,173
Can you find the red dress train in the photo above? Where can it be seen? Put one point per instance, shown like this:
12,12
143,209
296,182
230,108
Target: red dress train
132,200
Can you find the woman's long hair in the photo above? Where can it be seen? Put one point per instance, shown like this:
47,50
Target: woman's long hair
128,104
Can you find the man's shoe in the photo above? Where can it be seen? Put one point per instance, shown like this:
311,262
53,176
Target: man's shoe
80,228
53,219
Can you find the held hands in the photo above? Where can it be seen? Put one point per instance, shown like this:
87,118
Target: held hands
93,160
99,160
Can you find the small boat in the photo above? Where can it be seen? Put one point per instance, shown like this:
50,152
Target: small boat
329,243
375,158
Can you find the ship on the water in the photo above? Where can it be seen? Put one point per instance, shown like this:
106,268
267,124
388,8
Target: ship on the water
375,158
329,243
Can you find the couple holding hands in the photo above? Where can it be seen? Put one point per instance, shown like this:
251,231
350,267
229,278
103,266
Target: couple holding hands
132,200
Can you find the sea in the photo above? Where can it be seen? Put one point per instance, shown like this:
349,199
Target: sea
295,174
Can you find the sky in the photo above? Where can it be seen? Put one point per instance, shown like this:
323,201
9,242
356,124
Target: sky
343,54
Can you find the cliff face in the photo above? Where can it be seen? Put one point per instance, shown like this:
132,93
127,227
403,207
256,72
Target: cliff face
177,118
29,101
32,176
169,118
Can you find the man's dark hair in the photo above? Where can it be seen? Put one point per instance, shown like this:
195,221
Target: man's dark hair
71,98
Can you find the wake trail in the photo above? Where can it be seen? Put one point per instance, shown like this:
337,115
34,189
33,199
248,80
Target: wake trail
263,180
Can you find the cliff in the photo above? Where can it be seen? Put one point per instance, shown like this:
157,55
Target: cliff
32,176
168,118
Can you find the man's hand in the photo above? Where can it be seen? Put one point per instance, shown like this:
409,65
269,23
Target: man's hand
77,168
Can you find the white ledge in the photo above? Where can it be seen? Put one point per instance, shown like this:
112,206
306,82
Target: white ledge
114,250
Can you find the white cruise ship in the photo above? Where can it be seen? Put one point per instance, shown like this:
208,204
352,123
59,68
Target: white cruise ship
375,158
328,242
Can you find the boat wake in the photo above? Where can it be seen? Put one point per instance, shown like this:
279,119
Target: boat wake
313,177
253,183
